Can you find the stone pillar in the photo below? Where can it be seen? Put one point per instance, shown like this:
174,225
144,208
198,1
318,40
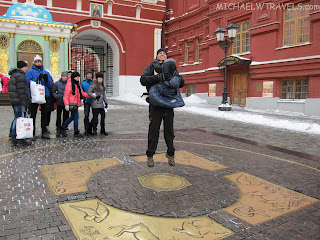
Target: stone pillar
12,51
62,55
46,53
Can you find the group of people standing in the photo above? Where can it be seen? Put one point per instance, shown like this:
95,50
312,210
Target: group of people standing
66,94
160,78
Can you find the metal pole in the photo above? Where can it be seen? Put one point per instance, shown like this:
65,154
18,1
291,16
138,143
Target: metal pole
225,106
224,97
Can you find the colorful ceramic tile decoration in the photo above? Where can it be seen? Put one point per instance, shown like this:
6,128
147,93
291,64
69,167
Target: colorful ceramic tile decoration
185,158
262,201
65,178
92,219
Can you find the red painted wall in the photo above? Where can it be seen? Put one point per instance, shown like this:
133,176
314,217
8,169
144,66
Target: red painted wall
192,19
70,4
136,35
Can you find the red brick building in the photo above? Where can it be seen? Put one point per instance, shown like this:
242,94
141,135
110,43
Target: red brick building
275,59
117,37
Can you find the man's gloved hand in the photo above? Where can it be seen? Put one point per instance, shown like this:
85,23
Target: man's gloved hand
98,97
45,77
66,107
158,68
161,77
40,77
105,105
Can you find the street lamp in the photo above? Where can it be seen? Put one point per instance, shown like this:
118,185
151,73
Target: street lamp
225,44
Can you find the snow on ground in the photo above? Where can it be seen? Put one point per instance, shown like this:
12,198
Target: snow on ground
196,105
131,98
193,99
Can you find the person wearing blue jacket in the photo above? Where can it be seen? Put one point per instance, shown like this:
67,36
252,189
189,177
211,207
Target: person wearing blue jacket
85,85
39,75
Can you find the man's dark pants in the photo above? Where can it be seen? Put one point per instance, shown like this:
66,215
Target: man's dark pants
34,110
156,114
87,107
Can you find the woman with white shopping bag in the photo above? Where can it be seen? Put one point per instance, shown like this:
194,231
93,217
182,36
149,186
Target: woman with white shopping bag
20,99
37,74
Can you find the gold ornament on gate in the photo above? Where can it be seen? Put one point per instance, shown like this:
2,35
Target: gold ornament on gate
4,59
54,46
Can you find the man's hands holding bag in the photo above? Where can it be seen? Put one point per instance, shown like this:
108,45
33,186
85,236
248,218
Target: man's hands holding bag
161,77
46,78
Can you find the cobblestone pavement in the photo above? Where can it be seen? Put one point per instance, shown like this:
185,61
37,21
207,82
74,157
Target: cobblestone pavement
287,160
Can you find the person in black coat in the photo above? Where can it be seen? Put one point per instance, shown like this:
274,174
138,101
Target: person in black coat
58,93
19,94
151,75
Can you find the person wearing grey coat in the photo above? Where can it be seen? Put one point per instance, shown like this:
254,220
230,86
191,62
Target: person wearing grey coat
58,93
99,103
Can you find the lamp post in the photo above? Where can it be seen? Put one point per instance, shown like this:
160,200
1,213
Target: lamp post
225,44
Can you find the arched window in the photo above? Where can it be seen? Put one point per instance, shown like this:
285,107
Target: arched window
29,46
27,50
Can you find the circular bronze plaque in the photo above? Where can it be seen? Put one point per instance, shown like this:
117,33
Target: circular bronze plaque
163,182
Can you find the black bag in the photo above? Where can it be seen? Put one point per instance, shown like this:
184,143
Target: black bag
73,107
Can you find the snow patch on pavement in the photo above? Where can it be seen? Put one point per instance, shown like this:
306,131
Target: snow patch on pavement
130,98
197,105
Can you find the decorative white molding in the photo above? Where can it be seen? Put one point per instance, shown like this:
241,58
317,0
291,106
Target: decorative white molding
34,29
49,3
157,40
79,5
256,63
150,1
138,12
298,45
287,60
109,12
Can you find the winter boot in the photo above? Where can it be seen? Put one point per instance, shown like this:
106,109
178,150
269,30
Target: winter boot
170,160
89,130
150,161
78,134
45,135
94,131
103,131
13,142
58,132
24,142
63,133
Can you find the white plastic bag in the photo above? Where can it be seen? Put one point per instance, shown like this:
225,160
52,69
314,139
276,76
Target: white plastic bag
38,94
24,128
